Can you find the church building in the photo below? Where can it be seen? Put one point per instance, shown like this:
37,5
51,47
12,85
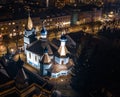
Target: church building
44,55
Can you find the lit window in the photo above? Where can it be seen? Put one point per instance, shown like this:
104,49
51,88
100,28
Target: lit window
35,58
20,33
23,25
13,23
30,55
9,23
48,24
0,35
14,30
10,35
14,34
2,28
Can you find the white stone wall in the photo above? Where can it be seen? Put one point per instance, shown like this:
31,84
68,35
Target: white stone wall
26,40
45,67
61,73
32,61
60,60
63,43
44,36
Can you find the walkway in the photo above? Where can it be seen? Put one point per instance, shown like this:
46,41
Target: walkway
62,84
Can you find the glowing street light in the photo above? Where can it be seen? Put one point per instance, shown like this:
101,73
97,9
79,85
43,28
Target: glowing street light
12,50
61,80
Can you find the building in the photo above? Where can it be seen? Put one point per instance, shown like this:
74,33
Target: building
53,21
17,81
30,34
42,54
55,18
90,16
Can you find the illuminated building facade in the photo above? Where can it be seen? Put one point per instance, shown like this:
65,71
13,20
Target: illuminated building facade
30,34
42,54
10,27
53,21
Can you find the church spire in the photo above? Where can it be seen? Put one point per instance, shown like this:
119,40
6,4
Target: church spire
29,23
43,31
62,49
46,58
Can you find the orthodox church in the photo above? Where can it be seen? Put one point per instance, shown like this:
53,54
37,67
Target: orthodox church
44,55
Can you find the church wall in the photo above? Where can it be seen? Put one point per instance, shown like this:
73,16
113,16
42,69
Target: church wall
45,67
32,60
25,46
28,33
26,40
63,72
60,60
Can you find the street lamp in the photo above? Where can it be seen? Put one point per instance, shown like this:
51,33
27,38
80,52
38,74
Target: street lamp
61,80
12,50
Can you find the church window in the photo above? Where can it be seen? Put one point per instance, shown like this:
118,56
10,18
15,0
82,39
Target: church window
62,62
35,58
30,55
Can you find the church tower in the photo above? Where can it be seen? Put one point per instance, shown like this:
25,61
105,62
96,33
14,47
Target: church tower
45,63
43,33
62,53
30,33
62,49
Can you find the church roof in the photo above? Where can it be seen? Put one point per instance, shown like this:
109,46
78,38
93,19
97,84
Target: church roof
63,51
46,58
63,37
11,69
57,67
29,23
70,44
19,62
43,31
21,75
3,78
38,47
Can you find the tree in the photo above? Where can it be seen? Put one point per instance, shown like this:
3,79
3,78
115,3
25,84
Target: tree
6,40
83,72
97,67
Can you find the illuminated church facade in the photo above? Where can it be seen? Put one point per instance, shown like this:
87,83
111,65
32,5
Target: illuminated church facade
45,56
